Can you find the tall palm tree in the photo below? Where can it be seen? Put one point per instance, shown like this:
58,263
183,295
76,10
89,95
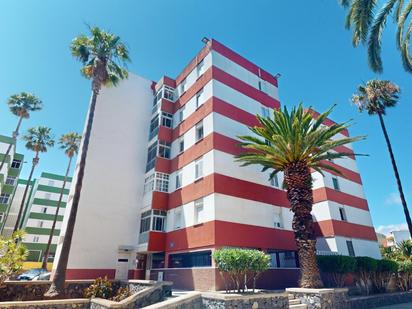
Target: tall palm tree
374,97
21,105
70,143
38,140
368,23
295,142
103,56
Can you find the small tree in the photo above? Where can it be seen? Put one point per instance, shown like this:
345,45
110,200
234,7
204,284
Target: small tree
405,275
258,262
12,256
383,274
336,268
365,267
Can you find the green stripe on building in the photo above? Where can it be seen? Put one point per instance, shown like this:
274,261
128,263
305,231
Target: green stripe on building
55,176
41,216
51,189
41,201
41,231
6,139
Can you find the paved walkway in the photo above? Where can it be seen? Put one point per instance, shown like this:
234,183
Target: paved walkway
399,306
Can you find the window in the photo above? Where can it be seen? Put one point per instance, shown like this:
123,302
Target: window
162,182
159,220
167,120
16,163
149,184
44,210
342,214
151,156
179,176
351,251
199,168
199,211
154,127
50,183
274,181
145,221
158,260
330,160
40,224
177,222
199,98
262,85
283,259
182,86
181,114
4,198
168,93
191,259
164,149
335,184
265,112
36,238
200,68
1,216
181,143
10,180
199,131
277,220
47,196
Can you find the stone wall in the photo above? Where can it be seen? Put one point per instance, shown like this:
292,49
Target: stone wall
321,298
47,304
379,300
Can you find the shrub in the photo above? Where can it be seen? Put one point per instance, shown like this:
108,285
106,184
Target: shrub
365,268
405,275
12,256
384,272
101,287
122,293
240,265
336,267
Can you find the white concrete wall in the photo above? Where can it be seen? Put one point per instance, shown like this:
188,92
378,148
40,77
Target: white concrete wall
108,214
53,183
360,246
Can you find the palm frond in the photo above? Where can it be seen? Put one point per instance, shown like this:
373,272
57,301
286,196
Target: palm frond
39,139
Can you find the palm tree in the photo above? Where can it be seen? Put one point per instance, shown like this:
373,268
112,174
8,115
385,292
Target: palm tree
21,105
374,97
368,24
295,142
37,139
70,143
103,55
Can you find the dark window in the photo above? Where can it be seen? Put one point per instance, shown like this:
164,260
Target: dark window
342,214
164,149
158,260
351,251
283,259
145,222
167,120
151,156
154,127
16,164
335,183
191,259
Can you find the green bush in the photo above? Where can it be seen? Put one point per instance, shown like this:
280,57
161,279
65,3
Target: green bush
385,269
336,268
405,275
365,269
241,266
101,287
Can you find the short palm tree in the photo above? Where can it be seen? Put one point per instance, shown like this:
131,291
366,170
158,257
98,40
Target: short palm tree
20,105
294,143
368,23
374,97
70,143
103,56
38,140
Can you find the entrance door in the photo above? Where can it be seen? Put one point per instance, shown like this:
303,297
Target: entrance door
122,266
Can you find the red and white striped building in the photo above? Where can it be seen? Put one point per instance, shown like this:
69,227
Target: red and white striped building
162,190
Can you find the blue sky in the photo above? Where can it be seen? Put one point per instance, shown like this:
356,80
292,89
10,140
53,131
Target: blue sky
306,42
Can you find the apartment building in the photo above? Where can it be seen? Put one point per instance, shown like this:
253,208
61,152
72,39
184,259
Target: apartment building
40,207
175,194
9,176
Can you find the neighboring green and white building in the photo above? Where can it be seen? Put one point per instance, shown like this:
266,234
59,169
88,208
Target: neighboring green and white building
42,200
9,176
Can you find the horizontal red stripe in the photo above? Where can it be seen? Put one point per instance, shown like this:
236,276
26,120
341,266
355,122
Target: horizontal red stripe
87,273
243,62
345,172
324,194
193,63
222,233
328,122
332,228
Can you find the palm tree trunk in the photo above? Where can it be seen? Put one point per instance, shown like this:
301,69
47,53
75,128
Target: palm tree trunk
398,178
15,134
20,216
298,180
56,215
57,287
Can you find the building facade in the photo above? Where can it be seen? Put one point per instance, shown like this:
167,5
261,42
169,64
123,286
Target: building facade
40,208
176,194
9,176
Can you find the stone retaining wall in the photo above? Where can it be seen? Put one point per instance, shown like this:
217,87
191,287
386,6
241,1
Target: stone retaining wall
379,300
321,298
